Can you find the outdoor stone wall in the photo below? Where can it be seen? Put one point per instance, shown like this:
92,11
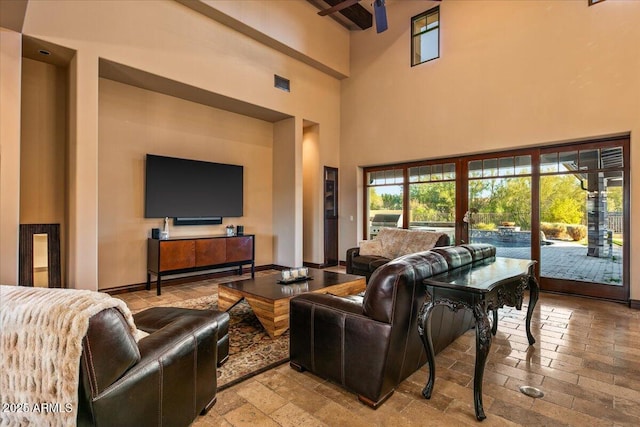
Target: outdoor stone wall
504,236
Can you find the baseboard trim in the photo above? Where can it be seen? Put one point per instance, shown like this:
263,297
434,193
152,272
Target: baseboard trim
322,266
313,265
181,280
634,303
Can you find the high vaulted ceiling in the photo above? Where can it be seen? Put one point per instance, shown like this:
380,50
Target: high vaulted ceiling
356,17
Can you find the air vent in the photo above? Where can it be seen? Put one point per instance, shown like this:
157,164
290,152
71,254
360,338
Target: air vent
281,83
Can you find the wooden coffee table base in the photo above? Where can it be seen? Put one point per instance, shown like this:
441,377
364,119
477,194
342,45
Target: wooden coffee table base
273,314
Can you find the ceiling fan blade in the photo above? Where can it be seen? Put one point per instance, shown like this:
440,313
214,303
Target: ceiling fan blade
337,8
380,13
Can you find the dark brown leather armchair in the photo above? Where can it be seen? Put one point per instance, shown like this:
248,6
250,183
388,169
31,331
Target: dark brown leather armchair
166,378
370,344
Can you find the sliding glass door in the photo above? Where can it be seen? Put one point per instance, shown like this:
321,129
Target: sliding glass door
432,198
499,204
565,206
583,219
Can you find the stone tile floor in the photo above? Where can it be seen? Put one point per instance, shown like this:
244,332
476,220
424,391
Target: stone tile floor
586,360
569,261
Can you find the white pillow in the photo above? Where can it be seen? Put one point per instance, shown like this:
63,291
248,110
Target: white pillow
371,247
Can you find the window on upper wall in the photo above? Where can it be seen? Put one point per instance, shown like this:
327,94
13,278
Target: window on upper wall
425,36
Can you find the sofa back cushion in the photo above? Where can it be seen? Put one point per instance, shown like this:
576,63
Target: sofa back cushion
389,283
480,251
397,280
456,256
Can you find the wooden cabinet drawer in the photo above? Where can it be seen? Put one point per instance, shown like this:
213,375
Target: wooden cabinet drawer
210,252
239,248
177,254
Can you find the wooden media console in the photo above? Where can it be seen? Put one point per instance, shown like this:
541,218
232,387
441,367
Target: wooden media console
191,254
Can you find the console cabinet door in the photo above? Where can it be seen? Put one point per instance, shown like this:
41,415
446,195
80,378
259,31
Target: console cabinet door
177,254
210,252
239,248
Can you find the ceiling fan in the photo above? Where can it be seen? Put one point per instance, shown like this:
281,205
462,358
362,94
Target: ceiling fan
379,12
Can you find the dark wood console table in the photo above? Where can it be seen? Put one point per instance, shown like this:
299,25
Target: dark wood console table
191,254
481,288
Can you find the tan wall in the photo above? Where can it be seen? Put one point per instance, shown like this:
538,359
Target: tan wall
43,148
295,25
10,76
134,122
511,74
312,223
82,236
169,40
314,161
43,143
287,193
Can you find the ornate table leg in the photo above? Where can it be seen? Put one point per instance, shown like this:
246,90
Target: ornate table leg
494,327
483,344
534,292
424,329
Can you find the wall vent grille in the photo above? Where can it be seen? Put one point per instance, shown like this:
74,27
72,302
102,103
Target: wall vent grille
281,83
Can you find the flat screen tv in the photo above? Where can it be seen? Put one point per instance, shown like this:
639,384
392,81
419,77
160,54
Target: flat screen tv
193,190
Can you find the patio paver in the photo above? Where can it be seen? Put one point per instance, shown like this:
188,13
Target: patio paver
563,260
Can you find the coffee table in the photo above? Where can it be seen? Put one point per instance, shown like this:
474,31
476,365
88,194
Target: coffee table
269,300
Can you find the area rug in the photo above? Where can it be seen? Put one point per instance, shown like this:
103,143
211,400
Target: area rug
251,350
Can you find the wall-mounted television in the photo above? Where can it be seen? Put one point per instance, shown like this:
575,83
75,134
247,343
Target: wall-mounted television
193,190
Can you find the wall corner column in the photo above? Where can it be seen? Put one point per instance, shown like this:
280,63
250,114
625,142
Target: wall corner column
83,172
287,192
10,111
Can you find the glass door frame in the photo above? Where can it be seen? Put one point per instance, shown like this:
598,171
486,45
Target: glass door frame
603,291
591,289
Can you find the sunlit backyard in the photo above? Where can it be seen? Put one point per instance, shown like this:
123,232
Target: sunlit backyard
580,215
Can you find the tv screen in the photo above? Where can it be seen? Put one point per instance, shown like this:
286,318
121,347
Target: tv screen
185,188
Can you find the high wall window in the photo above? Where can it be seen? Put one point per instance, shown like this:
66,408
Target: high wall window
425,36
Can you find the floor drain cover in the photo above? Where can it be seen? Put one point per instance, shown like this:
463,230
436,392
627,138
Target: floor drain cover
531,391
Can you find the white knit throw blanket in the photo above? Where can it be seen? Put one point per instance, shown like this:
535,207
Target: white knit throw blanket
41,333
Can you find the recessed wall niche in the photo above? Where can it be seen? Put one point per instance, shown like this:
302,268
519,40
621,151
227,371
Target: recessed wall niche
44,145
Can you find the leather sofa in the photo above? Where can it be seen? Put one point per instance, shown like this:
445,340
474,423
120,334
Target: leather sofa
370,344
167,378
393,243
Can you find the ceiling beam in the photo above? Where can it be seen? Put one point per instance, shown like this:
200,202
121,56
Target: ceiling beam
356,13
338,7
